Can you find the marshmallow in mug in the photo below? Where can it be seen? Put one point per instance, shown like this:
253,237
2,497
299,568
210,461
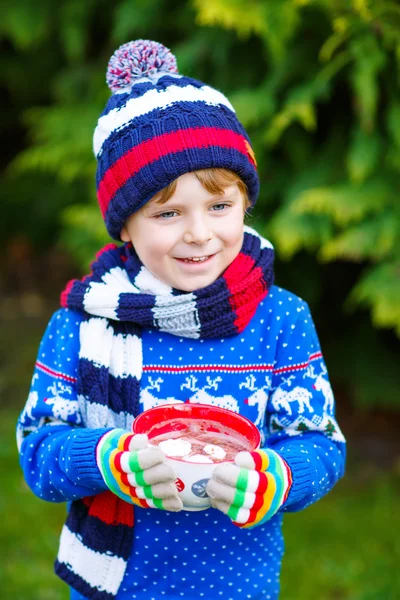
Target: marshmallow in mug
181,448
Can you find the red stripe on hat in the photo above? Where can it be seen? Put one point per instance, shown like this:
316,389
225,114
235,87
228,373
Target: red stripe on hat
154,149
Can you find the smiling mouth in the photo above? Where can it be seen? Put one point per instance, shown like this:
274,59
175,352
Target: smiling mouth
196,259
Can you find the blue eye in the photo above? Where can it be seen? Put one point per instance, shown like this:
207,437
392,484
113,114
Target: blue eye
219,207
166,215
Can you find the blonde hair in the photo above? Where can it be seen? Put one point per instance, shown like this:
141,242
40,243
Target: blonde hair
213,180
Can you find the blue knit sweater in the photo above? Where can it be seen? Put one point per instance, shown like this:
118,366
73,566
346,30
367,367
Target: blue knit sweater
273,373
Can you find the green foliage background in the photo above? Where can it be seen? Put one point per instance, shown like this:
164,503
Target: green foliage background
315,82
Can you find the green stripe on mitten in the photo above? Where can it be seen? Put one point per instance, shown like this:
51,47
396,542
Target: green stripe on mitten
137,472
252,489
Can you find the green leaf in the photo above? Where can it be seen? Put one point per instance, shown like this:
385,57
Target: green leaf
372,239
392,158
385,8
27,24
61,149
330,70
253,106
84,232
393,122
369,60
244,17
131,19
291,232
363,155
379,289
332,43
298,108
74,19
281,18
345,203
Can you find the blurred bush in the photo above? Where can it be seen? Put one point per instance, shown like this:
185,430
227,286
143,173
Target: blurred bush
315,82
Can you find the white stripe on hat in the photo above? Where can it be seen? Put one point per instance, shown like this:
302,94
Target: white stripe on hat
102,571
151,100
150,78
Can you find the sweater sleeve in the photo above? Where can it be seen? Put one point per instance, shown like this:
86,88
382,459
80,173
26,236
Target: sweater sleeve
57,453
301,420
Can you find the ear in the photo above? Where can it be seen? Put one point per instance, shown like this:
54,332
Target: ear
124,235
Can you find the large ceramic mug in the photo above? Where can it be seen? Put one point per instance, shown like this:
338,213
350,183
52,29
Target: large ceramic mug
192,476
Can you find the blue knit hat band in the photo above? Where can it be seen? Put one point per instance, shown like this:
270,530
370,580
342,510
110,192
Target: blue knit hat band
140,188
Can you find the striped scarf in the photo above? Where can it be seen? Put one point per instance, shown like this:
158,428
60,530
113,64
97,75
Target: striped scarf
120,297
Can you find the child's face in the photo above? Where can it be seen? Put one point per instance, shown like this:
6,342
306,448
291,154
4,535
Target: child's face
192,224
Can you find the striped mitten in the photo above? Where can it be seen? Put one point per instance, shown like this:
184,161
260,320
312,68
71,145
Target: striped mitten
137,472
252,489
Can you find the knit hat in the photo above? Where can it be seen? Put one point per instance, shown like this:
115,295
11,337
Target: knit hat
158,125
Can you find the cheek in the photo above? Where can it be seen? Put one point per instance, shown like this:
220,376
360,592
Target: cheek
156,249
232,232
149,242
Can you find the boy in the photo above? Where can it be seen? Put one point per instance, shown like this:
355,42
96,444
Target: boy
184,311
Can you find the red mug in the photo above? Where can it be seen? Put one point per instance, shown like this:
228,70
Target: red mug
192,476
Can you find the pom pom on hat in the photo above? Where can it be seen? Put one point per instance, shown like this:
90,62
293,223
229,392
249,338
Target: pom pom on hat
141,58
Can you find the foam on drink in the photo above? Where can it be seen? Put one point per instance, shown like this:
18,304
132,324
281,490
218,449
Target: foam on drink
196,440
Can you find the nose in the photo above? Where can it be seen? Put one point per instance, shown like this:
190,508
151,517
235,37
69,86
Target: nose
198,232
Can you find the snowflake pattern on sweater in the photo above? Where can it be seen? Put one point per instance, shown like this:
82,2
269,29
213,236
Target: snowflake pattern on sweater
273,373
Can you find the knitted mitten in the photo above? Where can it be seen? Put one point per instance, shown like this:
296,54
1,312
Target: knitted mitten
252,489
136,472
